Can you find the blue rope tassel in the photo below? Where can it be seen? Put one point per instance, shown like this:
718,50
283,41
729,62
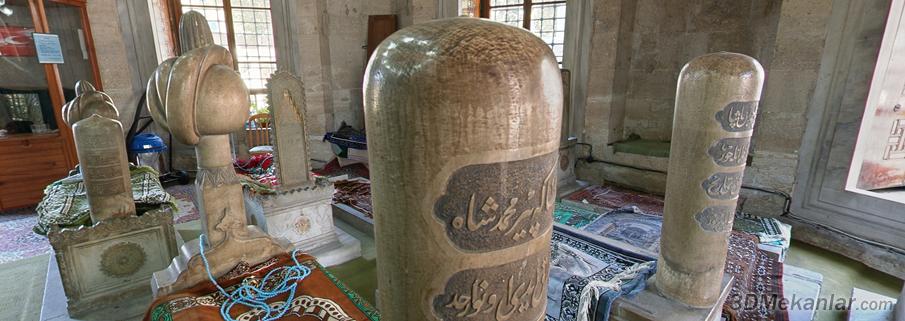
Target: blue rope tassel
256,297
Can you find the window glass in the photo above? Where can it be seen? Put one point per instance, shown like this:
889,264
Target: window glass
25,105
252,41
545,18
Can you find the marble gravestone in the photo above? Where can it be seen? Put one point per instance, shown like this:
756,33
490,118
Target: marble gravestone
112,260
568,181
463,119
201,100
716,105
300,211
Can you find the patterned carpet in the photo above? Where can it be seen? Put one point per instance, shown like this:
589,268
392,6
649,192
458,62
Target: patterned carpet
611,197
19,242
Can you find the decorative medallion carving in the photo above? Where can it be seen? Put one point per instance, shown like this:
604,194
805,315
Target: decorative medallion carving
738,116
489,207
716,219
730,152
723,186
302,225
512,291
122,259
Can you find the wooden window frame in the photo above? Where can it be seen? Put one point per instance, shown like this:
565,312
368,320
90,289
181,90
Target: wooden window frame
52,72
526,5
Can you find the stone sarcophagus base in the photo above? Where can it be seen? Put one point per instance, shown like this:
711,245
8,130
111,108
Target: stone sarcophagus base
650,305
112,261
567,182
304,217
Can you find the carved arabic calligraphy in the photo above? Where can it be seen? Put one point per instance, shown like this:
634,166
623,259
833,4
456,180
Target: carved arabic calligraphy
738,116
723,186
716,219
730,151
490,207
512,291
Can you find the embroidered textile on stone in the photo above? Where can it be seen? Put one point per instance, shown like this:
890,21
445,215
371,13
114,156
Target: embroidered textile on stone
575,262
319,297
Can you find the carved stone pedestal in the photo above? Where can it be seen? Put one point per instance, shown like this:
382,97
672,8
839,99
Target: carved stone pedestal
105,265
567,182
304,217
649,305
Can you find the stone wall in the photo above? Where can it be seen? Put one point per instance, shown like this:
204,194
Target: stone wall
112,56
638,49
667,34
347,34
791,79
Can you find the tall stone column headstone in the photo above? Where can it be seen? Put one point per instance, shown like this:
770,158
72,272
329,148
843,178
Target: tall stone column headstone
716,104
463,119
88,102
300,209
104,167
200,99
104,268
101,150
289,130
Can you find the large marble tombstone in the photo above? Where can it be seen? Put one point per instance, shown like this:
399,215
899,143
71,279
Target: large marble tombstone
463,119
201,100
300,211
112,260
716,105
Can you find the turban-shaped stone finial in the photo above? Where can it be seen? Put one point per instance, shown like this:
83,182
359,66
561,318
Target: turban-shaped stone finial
88,102
194,32
198,94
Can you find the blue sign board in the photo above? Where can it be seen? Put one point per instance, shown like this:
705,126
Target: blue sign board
48,47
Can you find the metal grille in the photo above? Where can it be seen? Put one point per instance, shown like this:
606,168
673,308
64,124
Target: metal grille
251,41
545,18
548,21
264,4
509,15
255,74
216,19
258,103
469,8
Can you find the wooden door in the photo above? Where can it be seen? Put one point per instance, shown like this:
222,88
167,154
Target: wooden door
379,28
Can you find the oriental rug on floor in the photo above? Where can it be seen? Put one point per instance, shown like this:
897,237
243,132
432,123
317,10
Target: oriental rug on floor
578,261
758,288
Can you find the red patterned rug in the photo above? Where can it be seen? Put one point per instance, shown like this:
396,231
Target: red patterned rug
611,198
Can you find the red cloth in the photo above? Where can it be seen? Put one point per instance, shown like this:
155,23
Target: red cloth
318,297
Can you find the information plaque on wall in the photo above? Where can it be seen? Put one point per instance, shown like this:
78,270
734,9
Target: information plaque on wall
48,47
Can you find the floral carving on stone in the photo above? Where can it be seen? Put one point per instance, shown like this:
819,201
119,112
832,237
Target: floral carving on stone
122,259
